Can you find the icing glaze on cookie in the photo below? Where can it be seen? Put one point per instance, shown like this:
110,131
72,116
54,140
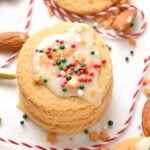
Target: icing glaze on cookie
143,144
69,64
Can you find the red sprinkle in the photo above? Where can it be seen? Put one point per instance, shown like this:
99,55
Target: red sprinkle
59,75
91,73
61,42
89,79
65,82
96,65
62,85
73,46
70,72
65,69
103,61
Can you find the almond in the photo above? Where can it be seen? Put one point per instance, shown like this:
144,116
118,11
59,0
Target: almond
12,41
146,118
124,20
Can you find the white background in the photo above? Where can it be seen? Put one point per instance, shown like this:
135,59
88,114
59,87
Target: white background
126,76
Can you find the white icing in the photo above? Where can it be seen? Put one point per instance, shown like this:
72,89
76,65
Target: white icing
143,144
49,71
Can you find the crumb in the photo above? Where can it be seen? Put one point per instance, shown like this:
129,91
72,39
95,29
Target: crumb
19,105
52,138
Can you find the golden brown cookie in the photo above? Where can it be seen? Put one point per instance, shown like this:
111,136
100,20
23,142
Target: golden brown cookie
52,112
83,7
128,144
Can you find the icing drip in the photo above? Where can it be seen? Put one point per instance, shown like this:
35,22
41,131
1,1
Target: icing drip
70,63
143,144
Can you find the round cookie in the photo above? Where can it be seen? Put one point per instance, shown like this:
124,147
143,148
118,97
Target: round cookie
84,7
60,114
134,144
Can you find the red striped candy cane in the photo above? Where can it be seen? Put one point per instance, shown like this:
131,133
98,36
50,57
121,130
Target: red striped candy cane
93,147
68,16
12,57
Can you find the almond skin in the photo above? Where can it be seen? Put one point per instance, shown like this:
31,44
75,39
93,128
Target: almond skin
12,41
124,20
146,118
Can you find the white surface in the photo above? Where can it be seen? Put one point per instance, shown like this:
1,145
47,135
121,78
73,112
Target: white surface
126,76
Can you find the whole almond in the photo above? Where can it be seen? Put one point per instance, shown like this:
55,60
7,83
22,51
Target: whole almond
124,20
12,41
146,118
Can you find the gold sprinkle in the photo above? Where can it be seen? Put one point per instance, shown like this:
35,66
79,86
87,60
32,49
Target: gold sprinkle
93,93
83,43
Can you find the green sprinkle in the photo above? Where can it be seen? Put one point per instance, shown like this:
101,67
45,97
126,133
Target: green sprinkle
25,116
63,60
79,69
64,89
81,87
110,123
68,66
127,59
0,120
45,81
92,52
58,62
82,65
57,41
60,67
76,71
22,122
94,27
68,78
86,131
40,51
132,52
54,49
62,47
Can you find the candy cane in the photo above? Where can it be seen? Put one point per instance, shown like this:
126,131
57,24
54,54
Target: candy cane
115,137
65,15
12,57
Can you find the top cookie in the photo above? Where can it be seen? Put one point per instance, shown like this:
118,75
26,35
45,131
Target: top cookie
84,7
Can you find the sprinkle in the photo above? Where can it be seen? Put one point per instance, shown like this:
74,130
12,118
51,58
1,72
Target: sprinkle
78,39
132,52
63,60
64,89
82,65
45,81
92,52
60,67
126,59
57,41
25,116
0,120
80,92
96,65
81,87
54,49
62,47
104,61
91,73
68,78
61,42
40,51
22,122
62,73
73,46
86,131
58,62
68,66
96,53
110,123
52,138
76,71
